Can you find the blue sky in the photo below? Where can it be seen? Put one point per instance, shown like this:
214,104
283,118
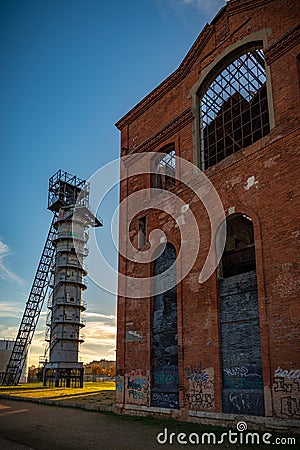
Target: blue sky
69,70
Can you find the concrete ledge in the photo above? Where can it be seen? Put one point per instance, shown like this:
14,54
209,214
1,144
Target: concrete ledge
212,418
46,401
253,422
144,411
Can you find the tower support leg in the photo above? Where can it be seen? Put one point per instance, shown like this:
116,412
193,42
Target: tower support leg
57,378
81,377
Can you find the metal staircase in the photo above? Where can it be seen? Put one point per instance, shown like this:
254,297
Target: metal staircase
32,312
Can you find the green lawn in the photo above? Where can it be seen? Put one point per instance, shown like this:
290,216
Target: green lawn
101,392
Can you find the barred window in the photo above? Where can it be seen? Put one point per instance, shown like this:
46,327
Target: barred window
234,108
164,170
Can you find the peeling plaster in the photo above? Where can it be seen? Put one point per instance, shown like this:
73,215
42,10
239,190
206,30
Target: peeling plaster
251,182
271,161
180,220
133,336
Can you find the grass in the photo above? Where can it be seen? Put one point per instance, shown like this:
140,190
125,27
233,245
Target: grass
98,393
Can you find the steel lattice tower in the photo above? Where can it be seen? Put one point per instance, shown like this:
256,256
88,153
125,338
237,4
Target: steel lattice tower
32,312
62,268
69,200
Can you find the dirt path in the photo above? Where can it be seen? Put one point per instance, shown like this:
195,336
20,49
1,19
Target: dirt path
45,427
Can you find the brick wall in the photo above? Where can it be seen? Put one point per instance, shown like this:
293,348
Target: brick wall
260,181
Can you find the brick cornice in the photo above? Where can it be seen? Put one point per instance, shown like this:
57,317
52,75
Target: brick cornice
165,132
238,6
172,80
282,45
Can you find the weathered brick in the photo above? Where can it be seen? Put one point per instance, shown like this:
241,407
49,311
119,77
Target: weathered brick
272,204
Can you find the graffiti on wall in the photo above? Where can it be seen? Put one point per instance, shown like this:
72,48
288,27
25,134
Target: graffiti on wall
165,395
286,390
119,383
119,388
279,372
164,341
165,378
241,378
137,387
243,401
201,387
167,399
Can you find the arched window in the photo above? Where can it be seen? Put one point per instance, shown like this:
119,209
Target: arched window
233,106
164,389
239,252
241,356
164,169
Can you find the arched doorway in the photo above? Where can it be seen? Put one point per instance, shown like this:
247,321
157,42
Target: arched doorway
242,391
164,386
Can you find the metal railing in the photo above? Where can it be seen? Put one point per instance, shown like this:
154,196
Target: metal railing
78,248
71,279
66,262
67,235
67,301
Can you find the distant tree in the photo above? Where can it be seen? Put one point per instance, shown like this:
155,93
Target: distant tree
96,371
35,374
111,371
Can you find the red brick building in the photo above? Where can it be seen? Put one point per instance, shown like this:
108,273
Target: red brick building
229,346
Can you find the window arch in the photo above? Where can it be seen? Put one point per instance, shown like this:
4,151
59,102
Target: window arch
241,354
164,341
233,105
239,252
164,168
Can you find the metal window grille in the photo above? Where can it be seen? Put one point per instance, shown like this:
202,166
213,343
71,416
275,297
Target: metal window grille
165,168
234,108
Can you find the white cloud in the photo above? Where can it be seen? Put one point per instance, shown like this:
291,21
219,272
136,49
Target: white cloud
8,332
10,309
5,272
207,7
99,340
100,333
102,316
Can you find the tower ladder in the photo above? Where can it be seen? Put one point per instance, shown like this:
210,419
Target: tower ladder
32,312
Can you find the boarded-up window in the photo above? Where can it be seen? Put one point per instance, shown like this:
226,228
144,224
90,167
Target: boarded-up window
241,356
164,388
